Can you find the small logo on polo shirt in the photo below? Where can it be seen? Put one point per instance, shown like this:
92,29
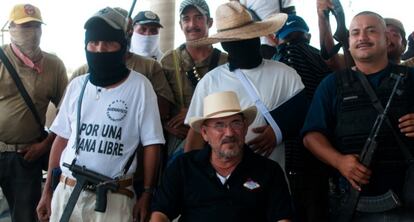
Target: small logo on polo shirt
251,185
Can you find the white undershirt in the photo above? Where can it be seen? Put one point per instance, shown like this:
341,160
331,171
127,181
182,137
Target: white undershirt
223,180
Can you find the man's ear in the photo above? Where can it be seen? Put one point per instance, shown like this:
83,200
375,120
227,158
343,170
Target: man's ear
203,132
387,38
404,42
210,22
181,26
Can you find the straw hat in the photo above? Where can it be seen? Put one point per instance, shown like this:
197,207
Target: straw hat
234,22
222,104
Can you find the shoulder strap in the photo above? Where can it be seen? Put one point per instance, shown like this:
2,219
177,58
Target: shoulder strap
378,106
214,59
259,104
130,160
78,115
176,60
254,15
23,92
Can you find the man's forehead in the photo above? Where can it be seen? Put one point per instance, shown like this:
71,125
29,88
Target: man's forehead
393,28
365,21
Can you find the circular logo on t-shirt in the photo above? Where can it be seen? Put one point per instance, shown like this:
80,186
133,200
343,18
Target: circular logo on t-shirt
117,110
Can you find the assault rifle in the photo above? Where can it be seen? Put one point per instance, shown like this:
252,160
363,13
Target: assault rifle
88,179
385,201
341,34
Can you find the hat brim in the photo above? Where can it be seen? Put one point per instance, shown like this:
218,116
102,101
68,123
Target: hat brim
248,113
107,20
27,19
249,31
201,10
149,23
286,32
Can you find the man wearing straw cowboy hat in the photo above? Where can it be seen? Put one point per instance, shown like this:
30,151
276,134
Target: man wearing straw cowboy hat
275,84
225,181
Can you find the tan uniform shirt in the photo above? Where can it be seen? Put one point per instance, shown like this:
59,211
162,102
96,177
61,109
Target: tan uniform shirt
150,68
17,124
181,85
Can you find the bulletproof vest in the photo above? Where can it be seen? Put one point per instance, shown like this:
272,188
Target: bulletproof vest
356,116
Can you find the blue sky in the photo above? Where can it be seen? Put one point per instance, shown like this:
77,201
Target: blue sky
63,33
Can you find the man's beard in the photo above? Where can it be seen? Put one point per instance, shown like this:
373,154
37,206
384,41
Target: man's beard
229,153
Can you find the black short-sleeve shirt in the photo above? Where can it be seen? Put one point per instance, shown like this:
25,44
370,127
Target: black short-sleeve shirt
255,191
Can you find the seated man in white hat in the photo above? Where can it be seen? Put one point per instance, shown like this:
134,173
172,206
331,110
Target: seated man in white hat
225,181
274,83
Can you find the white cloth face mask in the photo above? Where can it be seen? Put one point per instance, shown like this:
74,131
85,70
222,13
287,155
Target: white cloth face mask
145,45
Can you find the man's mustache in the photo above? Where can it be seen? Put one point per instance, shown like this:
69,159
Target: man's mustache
229,140
193,30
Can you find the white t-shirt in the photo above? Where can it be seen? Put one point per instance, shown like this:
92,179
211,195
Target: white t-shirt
113,122
275,83
265,8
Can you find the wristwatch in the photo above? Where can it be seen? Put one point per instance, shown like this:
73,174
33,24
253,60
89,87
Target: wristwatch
149,190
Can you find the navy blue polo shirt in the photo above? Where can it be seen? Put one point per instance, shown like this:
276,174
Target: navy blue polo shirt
255,191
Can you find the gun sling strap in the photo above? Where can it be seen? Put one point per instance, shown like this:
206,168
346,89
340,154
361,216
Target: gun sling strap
252,91
26,97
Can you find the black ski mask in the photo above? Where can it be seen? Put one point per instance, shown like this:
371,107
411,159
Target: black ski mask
243,54
105,68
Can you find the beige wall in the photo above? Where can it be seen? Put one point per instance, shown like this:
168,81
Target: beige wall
166,10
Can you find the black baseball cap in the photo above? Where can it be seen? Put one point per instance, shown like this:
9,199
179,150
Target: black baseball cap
147,17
